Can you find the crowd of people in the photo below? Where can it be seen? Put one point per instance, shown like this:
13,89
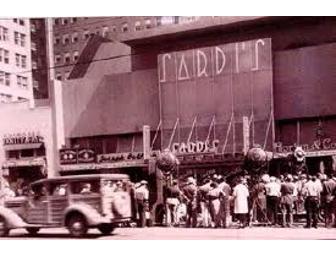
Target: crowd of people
267,201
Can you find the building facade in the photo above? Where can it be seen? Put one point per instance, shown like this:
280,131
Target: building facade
15,60
71,34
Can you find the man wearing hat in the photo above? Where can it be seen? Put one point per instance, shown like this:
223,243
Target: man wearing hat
190,193
272,199
141,199
286,202
328,196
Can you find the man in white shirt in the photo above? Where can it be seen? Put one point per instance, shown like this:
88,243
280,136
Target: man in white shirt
311,191
272,199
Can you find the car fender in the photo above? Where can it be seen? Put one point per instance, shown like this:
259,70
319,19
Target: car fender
13,219
91,214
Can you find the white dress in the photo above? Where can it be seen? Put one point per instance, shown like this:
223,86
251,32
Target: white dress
240,194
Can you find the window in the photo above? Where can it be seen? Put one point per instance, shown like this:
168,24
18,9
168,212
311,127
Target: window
66,75
24,81
67,58
21,22
4,98
75,37
57,40
4,34
86,34
17,59
57,59
32,27
105,31
7,79
56,21
4,55
2,77
19,39
18,81
124,27
75,56
33,46
27,153
137,26
148,23
66,39
65,21
73,20
23,61
15,20
114,29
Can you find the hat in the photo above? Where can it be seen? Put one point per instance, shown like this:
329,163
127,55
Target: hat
265,178
299,154
190,180
143,182
272,179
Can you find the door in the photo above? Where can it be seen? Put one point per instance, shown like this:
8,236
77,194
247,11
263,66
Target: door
58,202
37,211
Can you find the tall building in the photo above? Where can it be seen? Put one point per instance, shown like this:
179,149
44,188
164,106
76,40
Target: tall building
15,60
71,34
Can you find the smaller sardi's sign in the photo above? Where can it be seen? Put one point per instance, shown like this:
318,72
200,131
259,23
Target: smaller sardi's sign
22,138
195,147
320,144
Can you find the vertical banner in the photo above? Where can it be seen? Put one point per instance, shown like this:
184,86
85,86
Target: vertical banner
231,83
146,141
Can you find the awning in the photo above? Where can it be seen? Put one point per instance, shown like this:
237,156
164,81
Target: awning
24,162
23,146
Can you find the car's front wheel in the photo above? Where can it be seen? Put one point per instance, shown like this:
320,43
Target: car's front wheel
106,229
33,231
4,230
77,225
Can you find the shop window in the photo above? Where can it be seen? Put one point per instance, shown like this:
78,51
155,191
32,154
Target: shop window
148,23
40,151
13,155
27,153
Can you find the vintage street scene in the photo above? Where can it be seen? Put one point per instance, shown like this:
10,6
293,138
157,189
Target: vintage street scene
168,128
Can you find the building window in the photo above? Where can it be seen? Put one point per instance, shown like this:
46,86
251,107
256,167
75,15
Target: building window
23,40
137,26
18,81
114,29
65,21
32,27
57,59
66,39
21,22
34,65
2,77
4,98
67,58
124,27
16,37
4,56
4,34
73,20
56,21
57,40
19,39
75,56
105,31
7,79
15,20
33,46
17,59
86,34
23,61
74,37
148,23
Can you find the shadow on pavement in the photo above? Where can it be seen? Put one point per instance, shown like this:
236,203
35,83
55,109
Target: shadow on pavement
55,235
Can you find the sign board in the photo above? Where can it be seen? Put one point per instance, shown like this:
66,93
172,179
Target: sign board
317,145
22,138
223,82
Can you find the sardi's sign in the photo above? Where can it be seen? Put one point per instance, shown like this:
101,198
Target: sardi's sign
195,147
22,138
322,144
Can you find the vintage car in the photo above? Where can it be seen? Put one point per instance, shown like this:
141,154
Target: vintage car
78,202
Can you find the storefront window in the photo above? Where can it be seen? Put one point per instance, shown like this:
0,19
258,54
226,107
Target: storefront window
13,154
27,153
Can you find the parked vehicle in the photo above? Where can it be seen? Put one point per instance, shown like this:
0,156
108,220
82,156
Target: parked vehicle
78,203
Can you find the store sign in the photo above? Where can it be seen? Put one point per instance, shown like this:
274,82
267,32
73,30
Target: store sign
68,156
195,147
317,145
86,156
22,138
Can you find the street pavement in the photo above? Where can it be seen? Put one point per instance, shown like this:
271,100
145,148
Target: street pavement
162,233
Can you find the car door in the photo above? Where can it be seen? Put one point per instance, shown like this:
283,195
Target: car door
58,201
37,207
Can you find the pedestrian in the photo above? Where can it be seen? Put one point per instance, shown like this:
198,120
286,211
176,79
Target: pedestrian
311,191
203,197
240,195
328,196
215,194
286,202
272,200
173,199
190,193
225,202
141,198
258,195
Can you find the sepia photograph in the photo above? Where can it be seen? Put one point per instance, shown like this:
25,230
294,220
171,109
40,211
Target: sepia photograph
167,127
